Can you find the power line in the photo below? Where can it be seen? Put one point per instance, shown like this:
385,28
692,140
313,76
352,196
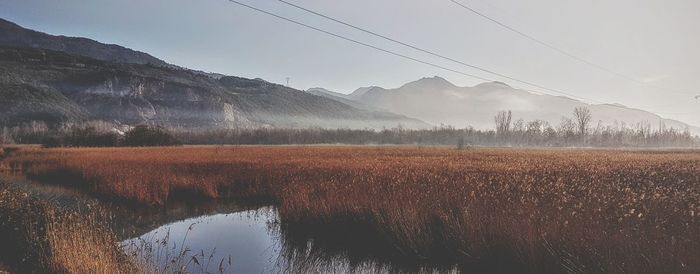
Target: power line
433,53
452,59
359,42
408,57
561,51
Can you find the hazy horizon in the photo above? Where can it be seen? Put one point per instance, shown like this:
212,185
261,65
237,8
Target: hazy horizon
648,41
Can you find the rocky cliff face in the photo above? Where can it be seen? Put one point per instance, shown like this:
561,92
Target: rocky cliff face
55,87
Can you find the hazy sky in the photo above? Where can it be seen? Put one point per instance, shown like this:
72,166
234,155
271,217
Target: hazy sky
650,40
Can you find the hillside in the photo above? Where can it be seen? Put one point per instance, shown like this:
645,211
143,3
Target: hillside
13,35
56,87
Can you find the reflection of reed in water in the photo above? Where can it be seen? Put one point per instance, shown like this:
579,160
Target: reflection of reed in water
204,244
162,254
356,245
365,244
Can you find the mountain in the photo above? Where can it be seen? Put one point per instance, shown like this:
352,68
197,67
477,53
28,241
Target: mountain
13,35
349,98
437,101
336,96
327,93
56,87
360,91
58,79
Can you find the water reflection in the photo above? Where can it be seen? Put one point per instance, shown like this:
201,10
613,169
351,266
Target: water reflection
243,238
255,241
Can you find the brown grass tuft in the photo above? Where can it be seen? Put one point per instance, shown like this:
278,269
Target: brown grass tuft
80,246
38,238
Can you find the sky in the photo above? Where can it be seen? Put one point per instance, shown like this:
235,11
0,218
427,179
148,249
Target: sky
651,41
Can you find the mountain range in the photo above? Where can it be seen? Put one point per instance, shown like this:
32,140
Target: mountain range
437,101
58,79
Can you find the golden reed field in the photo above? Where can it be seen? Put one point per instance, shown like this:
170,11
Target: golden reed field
530,210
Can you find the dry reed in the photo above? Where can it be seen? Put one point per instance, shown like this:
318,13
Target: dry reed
39,238
528,210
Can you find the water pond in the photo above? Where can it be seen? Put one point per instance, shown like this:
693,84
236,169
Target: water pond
245,239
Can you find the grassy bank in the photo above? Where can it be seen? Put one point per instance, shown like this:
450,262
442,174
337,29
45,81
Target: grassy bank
38,237
486,209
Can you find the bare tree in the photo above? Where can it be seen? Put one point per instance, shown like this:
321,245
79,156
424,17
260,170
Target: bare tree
644,129
582,117
503,119
566,129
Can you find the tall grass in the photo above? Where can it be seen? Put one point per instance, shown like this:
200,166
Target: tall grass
38,238
80,246
485,209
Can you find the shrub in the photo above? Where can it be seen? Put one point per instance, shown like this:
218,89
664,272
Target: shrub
142,136
91,137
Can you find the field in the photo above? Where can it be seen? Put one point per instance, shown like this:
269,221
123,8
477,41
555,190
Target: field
524,210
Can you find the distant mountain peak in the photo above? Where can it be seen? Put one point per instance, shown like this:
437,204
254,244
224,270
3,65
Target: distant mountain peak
494,84
432,83
361,91
618,105
325,92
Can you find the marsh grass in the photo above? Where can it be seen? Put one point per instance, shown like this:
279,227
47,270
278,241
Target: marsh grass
484,209
39,238
78,245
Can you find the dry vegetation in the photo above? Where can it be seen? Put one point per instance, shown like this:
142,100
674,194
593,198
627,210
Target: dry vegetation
495,209
37,237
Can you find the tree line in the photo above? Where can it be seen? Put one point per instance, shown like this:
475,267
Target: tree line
87,136
573,131
576,130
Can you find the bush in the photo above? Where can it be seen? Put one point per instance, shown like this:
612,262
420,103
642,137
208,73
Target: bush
142,136
90,137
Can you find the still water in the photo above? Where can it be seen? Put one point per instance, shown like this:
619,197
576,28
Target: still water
253,241
246,237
